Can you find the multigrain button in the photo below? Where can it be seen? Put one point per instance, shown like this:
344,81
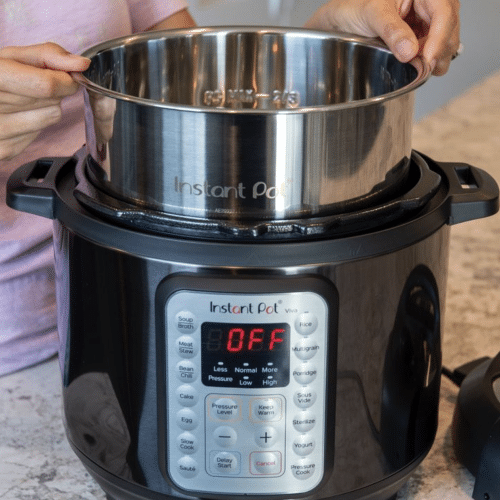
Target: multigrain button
186,371
305,348
306,323
305,373
186,322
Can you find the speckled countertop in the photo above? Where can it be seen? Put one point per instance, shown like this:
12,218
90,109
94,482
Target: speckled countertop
36,462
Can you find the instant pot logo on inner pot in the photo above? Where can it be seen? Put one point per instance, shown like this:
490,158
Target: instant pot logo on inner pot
250,308
240,192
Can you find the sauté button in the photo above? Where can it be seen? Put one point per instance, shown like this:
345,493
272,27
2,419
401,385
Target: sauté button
187,467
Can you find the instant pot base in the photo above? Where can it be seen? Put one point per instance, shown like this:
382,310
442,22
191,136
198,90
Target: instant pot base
118,489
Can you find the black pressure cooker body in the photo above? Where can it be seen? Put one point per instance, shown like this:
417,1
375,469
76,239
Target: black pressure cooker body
250,365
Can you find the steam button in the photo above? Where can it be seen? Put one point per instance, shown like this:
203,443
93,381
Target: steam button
306,323
186,322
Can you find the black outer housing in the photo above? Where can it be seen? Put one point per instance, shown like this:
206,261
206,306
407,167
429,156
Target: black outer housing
390,285
476,429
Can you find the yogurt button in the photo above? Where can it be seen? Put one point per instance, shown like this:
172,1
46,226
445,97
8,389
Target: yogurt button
303,445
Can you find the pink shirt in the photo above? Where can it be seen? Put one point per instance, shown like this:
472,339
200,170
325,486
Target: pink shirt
27,301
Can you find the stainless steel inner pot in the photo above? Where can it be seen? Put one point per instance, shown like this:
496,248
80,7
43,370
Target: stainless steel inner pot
248,123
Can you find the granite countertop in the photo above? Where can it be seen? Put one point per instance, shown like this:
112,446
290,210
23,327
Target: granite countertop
36,462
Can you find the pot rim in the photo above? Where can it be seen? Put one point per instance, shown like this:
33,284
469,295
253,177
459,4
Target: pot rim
419,63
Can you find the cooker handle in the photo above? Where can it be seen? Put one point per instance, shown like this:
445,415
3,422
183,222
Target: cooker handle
473,193
32,187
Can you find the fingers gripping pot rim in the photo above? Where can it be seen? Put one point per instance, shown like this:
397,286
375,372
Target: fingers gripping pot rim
249,123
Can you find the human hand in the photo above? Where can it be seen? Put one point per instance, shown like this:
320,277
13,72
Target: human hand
33,81
408,27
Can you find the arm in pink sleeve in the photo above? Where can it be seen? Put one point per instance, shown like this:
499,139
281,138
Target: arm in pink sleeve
146,13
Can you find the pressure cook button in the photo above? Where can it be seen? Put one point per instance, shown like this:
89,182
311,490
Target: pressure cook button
265,463
187,395
303,445
225,462
305,373
186,322
305,348
306,323
187,467
303,469
186,371
304,398
187,419
187,347
187,443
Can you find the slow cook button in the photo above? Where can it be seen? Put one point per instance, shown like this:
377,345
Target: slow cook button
265,463
187,467
186,322
303,445
187,443
303,469
305,373
186,371
187,395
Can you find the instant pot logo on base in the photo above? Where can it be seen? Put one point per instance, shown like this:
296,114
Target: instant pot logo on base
240,192
229,308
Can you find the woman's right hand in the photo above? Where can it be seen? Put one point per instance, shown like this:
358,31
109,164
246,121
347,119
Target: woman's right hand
33,81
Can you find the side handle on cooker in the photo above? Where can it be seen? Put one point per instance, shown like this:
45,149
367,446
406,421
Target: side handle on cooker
32,187
473,193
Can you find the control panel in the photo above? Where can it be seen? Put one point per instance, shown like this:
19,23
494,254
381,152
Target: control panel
246,391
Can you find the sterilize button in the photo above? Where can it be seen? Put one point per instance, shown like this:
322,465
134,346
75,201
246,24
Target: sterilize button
187,419
225,436
186,371
187,347
265,462
187,443
187,467
304,398
306,323
187,395
225,462
305,373
186,322
304,421
303,445
305,348
303,469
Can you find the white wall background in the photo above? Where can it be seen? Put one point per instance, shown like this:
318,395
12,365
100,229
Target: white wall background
480,37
